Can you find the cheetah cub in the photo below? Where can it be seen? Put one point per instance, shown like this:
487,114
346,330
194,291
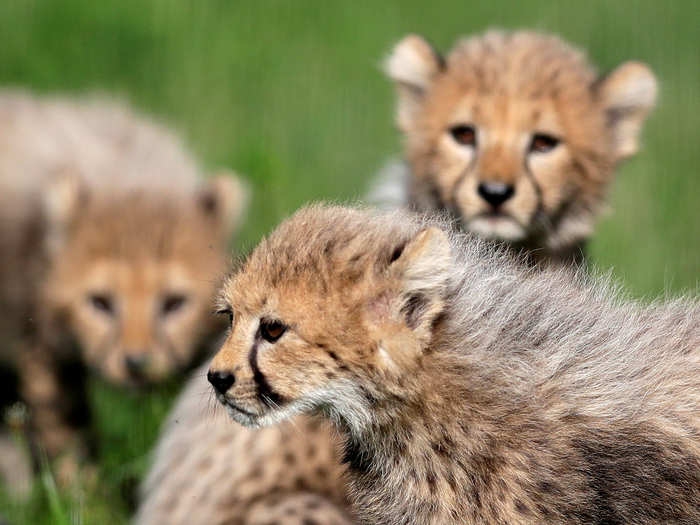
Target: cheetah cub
469,389
514,134
111,244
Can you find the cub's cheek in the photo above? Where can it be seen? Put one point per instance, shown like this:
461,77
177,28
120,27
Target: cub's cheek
90,331
467,198
554,175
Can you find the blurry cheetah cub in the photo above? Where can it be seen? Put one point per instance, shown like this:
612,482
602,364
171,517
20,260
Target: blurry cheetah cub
468,389
516,135
111,244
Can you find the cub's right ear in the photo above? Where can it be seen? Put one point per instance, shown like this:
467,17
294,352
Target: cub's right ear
422,268
412,65
63,196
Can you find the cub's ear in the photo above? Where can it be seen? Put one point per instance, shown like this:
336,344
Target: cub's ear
224,198
628,95
412,65
64,195
422,268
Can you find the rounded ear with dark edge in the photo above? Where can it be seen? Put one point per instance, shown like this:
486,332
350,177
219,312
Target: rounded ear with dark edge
422,267
225,198
64,195
628,94
412,65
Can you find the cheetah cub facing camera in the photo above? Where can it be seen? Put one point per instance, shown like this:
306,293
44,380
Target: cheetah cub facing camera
469,389
112,244
514,134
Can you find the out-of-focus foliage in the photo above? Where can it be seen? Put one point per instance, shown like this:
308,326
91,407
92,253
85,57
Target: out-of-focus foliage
291,95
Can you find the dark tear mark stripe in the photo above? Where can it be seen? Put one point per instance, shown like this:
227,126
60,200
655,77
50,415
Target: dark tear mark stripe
265,392
454,204
538,189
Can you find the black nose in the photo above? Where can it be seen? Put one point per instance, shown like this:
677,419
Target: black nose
221,381
135,364
495,193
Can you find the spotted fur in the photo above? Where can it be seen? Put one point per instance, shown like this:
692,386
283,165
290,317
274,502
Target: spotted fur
225,474
111,244
514,91
468,388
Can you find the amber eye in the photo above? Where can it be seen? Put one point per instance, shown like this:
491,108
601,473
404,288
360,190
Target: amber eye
227,312
464,134
102,303
271,331
542,143
172,303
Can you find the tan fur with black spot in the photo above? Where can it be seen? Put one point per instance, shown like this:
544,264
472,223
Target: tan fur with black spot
469,389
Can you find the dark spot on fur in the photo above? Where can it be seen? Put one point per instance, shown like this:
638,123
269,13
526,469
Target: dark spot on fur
522,508
309,521
413,309
290,458
301,484
371,399
356,457
333,355
209,203
397,252
311,451
355,259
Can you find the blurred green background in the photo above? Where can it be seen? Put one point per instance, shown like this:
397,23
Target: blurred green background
290,94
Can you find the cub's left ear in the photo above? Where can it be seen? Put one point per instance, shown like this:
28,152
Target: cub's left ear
225,199
628,94
422,267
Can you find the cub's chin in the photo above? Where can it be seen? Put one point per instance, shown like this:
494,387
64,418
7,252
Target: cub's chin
266,416
246,419
497,227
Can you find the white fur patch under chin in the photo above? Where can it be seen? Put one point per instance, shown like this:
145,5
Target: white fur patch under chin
570,231
502,228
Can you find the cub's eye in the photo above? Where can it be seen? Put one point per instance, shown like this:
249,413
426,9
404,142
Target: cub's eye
464,134
102,303
227,312
172,303
542,143
271,331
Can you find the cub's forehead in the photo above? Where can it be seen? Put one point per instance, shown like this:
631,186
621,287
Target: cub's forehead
320,248
525,63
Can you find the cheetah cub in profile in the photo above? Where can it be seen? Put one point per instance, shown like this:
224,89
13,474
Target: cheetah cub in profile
469,389
111,245
515,135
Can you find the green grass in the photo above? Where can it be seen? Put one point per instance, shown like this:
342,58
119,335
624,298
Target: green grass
290,94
